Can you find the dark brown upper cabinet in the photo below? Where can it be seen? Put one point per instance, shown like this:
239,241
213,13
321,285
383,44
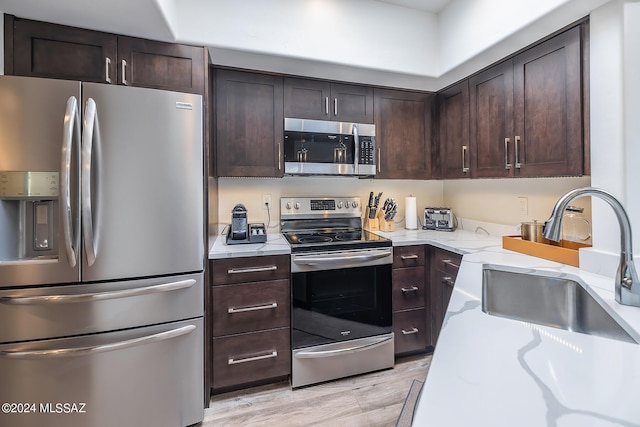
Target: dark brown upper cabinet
249,125
404,134
548,108
453,131
525,116
41,49
323,100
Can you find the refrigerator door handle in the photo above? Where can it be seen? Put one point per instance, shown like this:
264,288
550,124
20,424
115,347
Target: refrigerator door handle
70,135
89,350
90,134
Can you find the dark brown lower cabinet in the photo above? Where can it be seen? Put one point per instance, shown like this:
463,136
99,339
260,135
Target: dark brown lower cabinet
250,320
444,270
411,317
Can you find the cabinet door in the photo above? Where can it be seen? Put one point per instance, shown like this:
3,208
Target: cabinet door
159,65
249,124
491,122
55,51
351,103
403,134
307,99
453,123
548,108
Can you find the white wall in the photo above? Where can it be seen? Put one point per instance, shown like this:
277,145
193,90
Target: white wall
249,191
364,33
496,200
615,132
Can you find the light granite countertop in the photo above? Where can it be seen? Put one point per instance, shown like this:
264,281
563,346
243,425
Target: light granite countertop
488,370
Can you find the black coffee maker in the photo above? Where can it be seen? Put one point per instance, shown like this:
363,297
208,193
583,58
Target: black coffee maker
241,231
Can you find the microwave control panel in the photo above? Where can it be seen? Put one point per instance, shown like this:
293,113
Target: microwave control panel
367,151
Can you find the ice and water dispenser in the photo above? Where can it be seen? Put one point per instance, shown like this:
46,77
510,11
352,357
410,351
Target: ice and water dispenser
28,215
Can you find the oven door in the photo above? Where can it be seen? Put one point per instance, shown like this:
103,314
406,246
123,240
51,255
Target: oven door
340,304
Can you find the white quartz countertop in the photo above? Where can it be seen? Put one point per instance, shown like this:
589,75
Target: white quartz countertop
492,371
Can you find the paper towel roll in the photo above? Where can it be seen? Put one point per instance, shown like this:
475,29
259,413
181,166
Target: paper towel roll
410,215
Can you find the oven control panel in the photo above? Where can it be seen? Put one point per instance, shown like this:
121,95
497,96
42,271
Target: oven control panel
316,207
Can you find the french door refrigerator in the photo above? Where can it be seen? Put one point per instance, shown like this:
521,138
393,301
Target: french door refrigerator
101,255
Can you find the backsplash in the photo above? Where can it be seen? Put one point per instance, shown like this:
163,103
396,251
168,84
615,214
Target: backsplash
489,200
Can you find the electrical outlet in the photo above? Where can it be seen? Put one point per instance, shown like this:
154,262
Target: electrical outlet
523,206
266,201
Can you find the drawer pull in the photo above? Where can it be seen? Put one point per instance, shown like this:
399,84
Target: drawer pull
406,257
409,332
447,281
252,269
411,289
451,263
254,308
271,355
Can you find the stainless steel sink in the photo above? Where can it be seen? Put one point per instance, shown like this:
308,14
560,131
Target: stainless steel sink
550,301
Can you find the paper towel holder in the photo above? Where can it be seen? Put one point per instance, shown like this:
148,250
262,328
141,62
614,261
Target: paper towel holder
410,213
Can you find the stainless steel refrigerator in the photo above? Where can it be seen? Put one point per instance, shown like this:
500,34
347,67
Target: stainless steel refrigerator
101,255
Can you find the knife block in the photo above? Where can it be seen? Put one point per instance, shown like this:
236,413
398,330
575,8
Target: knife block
371,224
385,225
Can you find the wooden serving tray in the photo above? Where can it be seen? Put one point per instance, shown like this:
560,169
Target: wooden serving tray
564,251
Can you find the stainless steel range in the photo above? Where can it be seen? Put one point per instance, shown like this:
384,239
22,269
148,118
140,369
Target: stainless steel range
341,290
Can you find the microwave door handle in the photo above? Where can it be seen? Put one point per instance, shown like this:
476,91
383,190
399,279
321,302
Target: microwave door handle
90,135
356,143
71,134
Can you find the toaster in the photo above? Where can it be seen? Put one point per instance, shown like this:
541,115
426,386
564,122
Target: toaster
439,219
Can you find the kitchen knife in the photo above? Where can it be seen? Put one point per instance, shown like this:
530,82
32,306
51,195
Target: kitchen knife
377,201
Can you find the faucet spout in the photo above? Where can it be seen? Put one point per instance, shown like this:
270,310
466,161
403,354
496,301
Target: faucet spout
627,283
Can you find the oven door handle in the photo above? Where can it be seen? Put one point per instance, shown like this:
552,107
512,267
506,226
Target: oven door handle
374,342
321,259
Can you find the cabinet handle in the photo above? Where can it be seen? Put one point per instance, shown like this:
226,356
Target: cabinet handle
107,66
518,164
409,332
233,361
446,280
335,106
411,289
254,308
279,157
252,269
507,165
405,257
326,105
379,160
124,71
451,263
465,169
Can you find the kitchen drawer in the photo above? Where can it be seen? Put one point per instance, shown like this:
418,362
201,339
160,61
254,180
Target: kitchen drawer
409,289
410,330
408,256
447,262
252,306
247,358
250,269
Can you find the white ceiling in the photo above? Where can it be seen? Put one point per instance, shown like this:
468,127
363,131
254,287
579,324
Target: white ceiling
433,6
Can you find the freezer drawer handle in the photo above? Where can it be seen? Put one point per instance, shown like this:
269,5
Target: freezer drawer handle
98,296
252,269
271,355
90,350
311,354
254,308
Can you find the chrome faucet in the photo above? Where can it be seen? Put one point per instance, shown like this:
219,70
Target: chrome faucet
627,283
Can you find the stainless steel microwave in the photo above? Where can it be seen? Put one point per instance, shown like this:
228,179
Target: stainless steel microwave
319,147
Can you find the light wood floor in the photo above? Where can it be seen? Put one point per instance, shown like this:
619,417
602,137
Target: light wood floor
373,399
